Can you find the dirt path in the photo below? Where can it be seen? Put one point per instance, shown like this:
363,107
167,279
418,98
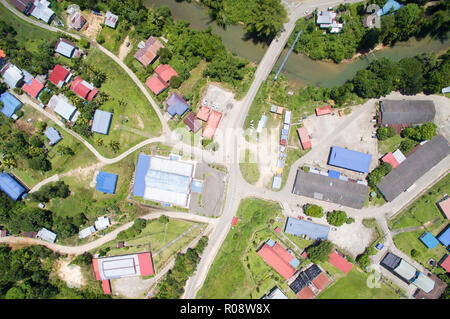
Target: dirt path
124,50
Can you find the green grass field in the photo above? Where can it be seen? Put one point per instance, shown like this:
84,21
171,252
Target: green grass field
237,272
423,209
354,286
249,170
390,144
410,240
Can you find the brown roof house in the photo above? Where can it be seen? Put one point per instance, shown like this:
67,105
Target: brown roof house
148,51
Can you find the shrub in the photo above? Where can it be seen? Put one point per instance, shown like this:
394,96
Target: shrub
364,260
320,252
415,253
337,218
313,210
350,220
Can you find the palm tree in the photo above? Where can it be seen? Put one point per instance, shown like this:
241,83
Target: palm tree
266,20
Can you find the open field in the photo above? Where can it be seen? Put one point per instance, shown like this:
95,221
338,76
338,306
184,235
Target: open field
354,286
423,209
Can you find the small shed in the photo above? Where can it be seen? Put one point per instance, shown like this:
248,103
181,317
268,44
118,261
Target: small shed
53,135
102,223
276,182
111,19
106,182
46,235
429,240
273,108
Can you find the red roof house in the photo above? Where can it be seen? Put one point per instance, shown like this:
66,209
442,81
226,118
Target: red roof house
321,281
271,256
306,293
340,262
106,285
211,124
234,221
192,123
389,158
304,137
145,264
84,89
155,84
323,110
59,75
203,113
149,52
445,207
446,264
165,72
33,88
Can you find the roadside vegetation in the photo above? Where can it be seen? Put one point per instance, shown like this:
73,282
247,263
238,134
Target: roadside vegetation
412,20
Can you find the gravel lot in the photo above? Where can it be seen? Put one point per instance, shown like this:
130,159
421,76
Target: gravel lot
353,238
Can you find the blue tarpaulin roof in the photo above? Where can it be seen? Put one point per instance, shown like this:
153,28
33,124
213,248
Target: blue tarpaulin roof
299,227
333,174
429,240
176,105
390,4
106,182
352,160
141,170
444,237
10,104
53,135
11,187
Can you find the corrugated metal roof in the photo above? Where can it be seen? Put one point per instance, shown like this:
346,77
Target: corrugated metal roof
65,48
349,159
405,270
10,104
11,187
176,105
46,235
111,19
53,135
276,182
106,182
424,282
102,223
142,167
86,232
12,76
407,111
429,240
299,227
275,293
101,122
444,237
272,258
63,107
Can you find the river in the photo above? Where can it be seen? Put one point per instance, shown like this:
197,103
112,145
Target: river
299,68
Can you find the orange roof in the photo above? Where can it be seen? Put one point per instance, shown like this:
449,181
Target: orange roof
106,287
272,258
95,265
323,110
445,207
211,124
155,84
389,158
2,54
321,281
304,137
306,293
203,113
340,262
33,88
149,52
165,72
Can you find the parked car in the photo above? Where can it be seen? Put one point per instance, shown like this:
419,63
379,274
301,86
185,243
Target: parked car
301,217
309,218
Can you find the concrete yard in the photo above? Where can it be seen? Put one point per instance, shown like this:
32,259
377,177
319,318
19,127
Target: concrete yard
212,191
353,238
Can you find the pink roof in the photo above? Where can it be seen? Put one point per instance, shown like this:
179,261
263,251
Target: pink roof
79,88
95,265
58,74
34,88
272,258
321,281
446,264
339,262
165,72
106,287
306,293
323,110
282,252
277,229
304,137
234,221
92,94
145,264
155,84
445,207
211,125
389,158
203,113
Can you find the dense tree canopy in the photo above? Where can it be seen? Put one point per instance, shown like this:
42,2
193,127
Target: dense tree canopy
320,252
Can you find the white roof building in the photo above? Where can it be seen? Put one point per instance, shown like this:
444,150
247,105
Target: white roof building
275,293
111,19
42,11
102,223
86,232
398,155
12,75
65,48
46,235
61,105
287,117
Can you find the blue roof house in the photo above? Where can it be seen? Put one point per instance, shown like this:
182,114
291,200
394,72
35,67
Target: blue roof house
429,240
444,237
176,105
10,104
11,187
106,182
139,178
53,135
348,159
300,227
101,122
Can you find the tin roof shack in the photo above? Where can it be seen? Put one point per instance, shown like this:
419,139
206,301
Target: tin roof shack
65,48
46,235
53,135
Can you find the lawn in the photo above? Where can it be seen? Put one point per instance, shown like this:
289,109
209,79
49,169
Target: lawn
249,170
113,38
390,144
229,276
410,240
354,286
423,209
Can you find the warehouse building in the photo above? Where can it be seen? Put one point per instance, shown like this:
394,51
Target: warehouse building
406,112
415,166
348,159
123,266
299,227
165,180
